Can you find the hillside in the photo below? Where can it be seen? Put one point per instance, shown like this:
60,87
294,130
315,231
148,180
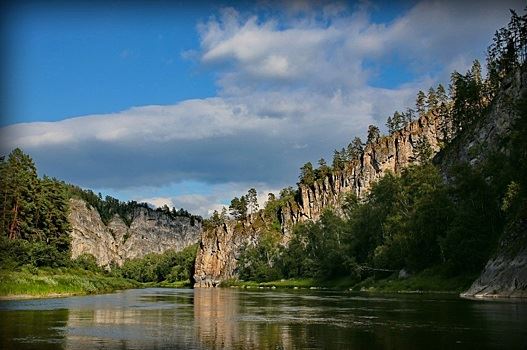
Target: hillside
443,193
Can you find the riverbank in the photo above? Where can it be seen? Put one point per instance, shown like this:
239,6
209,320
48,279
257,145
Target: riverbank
30,282
426,281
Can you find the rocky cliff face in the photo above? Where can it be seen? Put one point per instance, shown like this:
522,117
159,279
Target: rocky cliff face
391,153
219,248
505,274
149,232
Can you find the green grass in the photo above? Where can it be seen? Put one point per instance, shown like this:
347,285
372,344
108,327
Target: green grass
165,284
41,282
426,281
431,280
289,283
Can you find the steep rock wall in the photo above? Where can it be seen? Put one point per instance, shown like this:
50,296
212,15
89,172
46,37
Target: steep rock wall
149,232
391,153
505,274
219,248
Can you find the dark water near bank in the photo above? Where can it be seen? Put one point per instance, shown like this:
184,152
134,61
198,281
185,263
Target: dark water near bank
261,319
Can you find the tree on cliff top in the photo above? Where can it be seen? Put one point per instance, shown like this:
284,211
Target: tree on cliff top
238,207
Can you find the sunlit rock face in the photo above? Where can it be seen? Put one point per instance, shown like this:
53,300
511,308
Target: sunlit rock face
391,153
220,246
504,275
149,232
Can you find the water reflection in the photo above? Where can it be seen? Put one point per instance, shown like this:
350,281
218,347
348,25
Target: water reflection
260,319
30,329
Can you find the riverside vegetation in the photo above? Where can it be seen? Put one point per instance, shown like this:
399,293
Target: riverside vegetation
35,256
438,222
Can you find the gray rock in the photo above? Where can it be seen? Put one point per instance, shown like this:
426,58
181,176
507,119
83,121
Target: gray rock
149,232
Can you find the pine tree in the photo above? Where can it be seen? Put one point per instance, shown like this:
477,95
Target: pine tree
238,207
431,100
323,169
420,103
19,186
338,161
355,148
373,134
423,151
307,174
252,200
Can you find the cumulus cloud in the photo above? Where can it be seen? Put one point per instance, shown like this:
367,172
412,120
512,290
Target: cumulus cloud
292,86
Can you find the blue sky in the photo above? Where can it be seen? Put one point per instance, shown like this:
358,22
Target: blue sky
190,105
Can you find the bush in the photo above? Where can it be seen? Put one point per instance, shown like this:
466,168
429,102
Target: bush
87,262
42,254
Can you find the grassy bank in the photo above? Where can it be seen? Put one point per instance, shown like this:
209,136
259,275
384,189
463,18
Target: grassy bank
426,281
47,282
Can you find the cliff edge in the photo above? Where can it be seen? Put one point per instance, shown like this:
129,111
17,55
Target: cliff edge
149,232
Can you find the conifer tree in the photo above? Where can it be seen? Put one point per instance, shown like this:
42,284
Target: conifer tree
420,103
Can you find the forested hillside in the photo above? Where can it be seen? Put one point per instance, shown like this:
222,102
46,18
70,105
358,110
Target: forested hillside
442,215
43,250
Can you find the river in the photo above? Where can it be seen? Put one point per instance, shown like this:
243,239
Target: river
157,318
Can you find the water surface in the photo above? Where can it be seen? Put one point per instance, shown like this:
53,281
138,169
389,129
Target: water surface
158,318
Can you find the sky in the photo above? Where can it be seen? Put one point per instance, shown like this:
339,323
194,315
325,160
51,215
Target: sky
190,104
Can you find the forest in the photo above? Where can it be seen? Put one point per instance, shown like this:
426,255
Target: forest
445,219
425,218
35,231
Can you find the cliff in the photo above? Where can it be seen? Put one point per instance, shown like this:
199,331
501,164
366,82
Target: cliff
505,274
390,153
149,232
219,247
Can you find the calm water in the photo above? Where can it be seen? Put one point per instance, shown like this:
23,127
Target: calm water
260,319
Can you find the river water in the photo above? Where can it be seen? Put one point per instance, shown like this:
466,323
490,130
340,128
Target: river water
157,318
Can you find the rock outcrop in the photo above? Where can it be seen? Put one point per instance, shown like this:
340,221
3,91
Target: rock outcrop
505,274
219,248
503,277
149,232
391,153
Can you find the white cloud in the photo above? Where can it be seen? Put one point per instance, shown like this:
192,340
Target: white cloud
291,89
158,201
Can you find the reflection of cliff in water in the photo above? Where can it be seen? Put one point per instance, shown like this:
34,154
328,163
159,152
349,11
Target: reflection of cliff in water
260,319
226,318
144,321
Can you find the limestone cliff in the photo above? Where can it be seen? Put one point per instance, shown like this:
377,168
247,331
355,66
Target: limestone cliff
505,274
149,232
219,248
391,153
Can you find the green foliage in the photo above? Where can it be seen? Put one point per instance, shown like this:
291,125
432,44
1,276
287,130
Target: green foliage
508,50
469,97
169,266
127,211
307,174
252,200
42,282
87,262
257,263
238,208
396,122
33,215
373,134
